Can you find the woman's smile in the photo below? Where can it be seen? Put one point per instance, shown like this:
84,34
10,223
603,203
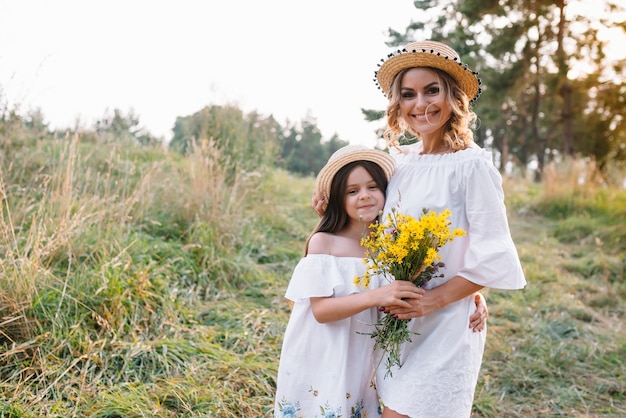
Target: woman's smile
425,117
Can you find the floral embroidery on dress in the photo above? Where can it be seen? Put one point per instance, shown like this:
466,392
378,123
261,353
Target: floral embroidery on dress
288,409
357,410
328,412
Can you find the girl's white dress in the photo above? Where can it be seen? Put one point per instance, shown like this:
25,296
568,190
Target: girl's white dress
325,370
441,365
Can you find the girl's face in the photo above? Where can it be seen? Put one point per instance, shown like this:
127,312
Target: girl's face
363,199
423,103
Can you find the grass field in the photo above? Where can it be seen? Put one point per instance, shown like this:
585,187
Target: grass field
138,283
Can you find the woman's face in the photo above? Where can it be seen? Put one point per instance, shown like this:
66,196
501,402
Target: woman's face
363,199
423,103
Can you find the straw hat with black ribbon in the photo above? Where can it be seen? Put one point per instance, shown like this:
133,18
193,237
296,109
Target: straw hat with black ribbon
428,54
346,155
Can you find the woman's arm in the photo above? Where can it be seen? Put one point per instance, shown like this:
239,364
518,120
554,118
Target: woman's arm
454,289
397,294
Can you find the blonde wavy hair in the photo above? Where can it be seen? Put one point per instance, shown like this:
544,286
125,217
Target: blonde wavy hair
458,132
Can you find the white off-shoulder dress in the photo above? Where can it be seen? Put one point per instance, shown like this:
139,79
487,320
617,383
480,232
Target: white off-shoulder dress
440,366
326,369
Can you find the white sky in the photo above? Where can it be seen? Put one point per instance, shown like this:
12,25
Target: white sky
75,59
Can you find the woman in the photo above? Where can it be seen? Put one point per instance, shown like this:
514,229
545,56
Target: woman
429,92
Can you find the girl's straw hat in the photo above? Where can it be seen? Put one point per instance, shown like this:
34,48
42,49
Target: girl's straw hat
428,54
346,155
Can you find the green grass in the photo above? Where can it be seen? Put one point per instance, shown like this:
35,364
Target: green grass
139,283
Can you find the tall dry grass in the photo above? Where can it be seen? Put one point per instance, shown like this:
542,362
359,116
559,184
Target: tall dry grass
105,256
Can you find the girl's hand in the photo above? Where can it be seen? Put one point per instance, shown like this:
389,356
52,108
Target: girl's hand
397,294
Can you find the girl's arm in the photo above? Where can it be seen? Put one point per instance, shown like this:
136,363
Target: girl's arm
397,293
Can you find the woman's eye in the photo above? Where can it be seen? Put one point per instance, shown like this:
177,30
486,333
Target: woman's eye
408,95
433,90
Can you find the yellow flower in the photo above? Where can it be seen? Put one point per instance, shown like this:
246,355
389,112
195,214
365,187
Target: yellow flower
366,281
431,256
458,233
362,281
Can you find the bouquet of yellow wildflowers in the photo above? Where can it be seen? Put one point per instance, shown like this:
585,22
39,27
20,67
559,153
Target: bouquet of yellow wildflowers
404,248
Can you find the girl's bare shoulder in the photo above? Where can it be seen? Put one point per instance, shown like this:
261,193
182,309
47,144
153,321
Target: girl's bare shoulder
336,245
321,243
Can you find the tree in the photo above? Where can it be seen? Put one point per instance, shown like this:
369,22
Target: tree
17,131
604,112
554,42
245,142
120,127
303,150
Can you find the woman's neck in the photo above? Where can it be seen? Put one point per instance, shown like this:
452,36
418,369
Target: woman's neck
434,146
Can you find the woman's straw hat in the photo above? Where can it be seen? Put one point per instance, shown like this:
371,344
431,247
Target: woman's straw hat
346,155
428,54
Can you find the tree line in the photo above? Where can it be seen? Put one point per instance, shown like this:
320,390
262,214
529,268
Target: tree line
245,141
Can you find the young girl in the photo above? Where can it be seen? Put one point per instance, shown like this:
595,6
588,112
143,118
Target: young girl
326,362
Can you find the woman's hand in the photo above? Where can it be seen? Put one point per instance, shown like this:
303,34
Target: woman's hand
424,306
419,307
478,320
454,289
318,203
